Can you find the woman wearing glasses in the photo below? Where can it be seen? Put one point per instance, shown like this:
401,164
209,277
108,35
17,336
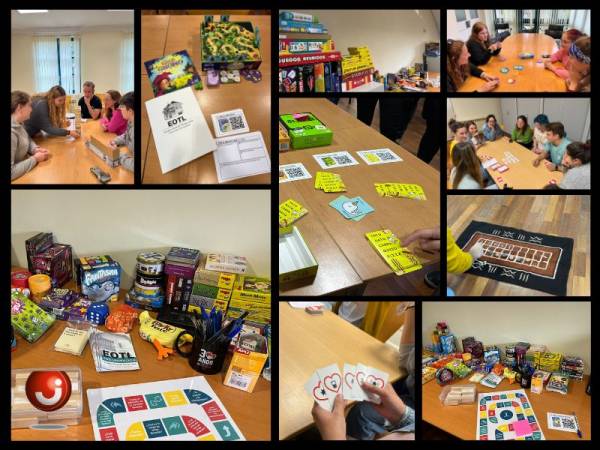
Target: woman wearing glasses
459,69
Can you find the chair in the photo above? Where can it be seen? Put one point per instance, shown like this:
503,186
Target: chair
503,31
555,31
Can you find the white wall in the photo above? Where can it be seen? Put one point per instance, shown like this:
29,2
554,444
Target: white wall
564,327
396,38
458,30
100,60
123,223
463,109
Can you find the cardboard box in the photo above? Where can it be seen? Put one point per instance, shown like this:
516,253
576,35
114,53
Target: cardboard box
242,36
284,139
99,278
223,280
106,153
56,262
306,132
295,258
251,288
245,368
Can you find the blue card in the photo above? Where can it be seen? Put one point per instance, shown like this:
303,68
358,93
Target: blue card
351,208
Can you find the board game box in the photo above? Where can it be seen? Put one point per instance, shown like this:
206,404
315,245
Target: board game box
305,130
229,45
56,262
99,278
172,72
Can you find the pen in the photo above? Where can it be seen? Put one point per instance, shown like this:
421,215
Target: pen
577,425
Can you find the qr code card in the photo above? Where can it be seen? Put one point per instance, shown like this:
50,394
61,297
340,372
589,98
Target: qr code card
228,123
378,156
336,159
293,172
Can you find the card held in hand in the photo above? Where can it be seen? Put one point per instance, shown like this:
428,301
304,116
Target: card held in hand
331,377
378,379
314,387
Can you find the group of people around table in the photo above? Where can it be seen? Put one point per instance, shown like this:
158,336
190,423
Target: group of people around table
547,140
464,59
45,115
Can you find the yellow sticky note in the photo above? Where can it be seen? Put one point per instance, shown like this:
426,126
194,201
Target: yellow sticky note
400,259
290,211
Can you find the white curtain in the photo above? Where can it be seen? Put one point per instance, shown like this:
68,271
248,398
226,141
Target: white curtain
127,49
57,61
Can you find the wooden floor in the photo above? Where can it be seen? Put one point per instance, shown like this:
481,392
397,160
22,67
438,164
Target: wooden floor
412,136
558,215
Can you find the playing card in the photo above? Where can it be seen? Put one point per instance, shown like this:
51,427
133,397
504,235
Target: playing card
314,387
502,169
362,372
351,208
378,379
350,388
489,162
331,377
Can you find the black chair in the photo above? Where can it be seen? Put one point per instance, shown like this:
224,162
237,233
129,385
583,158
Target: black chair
502,31
555,31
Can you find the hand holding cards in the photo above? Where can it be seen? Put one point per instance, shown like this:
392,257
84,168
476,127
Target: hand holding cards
326,383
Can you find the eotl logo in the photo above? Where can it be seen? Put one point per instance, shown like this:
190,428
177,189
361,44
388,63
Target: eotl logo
48,390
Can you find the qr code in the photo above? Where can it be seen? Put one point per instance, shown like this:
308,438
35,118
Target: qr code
231,123
342,159
568,423
294,172
385,156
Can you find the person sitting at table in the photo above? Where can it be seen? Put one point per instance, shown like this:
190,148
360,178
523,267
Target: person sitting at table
522,133
90,104
576,162
458,69
580,65
112,119
126,105
466,171
480,47
459,129
539,133
25,153
562,54
555,148
48,114
491,130
475,136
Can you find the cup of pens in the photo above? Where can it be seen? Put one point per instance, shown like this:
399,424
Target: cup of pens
212,337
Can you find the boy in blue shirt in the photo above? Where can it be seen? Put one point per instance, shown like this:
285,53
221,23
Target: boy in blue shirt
555,147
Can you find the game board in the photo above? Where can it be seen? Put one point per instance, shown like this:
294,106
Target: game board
531,260
182,409
507,415
229,45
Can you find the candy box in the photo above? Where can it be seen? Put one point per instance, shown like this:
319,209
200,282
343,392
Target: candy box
99,278
37,244
27,318
428,374
56,262
77,311
57,301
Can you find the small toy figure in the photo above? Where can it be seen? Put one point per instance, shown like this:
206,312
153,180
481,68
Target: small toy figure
97,313
162,335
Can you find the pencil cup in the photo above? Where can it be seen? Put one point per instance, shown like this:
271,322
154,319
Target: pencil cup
208,357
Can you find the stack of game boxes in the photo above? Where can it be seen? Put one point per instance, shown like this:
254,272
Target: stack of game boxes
550,362
214,280
251,294
357,68
180,267
53,259
147,291
308,61
572,366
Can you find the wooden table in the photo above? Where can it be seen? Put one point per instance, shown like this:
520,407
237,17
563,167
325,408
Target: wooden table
460,421
251,411
520,175
162,35
533,78
307,343
70,160
402,216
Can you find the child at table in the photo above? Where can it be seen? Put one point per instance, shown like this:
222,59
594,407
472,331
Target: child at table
475,136
491,130
49,114
580,65
112,119
555,148
90,104
126,105
539,133
25,153
522,133
480,47
576,162
562,54
393,418
458,69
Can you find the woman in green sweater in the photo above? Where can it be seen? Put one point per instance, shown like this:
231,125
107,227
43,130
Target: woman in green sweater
523,134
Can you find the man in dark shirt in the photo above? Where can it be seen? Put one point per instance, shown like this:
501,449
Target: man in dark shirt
90,104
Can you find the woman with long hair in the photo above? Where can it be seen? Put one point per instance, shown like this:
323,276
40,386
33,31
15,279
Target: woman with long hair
458,68
576,161
562,54
481,47
466,170
112,119
49,114
522,133
580,65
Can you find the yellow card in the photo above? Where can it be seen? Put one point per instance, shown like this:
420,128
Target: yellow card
389,247
412,191
329,182
290,211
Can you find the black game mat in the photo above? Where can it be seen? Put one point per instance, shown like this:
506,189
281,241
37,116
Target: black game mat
532,260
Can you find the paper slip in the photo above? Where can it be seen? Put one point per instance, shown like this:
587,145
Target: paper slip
351,208
229,123
329,182
492,380
304,305
378,156
327,382
410,191
400,259
489,162
293,172
562,422
240,156
290,211
335,160
180,131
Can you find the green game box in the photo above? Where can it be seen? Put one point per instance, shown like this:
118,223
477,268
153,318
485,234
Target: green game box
310,132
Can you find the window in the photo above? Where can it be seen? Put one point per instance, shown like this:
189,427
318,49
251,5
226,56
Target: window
127,51
57,62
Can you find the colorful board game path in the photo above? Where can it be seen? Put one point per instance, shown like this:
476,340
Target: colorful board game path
506,416
162,410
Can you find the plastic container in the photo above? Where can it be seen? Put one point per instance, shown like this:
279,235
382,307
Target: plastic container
66,410
458,394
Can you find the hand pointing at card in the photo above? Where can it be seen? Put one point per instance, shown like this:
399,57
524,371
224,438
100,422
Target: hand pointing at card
331,425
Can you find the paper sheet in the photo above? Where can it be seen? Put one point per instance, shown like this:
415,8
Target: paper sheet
241,156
